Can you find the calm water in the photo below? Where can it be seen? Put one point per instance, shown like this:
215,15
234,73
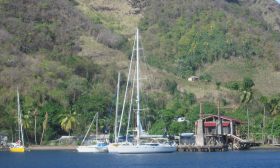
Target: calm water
67,159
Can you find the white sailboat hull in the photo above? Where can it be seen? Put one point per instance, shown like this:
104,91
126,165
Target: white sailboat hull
92,148
142,148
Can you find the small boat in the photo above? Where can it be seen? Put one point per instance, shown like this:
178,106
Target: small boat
98,146
16,147
138,146
19,145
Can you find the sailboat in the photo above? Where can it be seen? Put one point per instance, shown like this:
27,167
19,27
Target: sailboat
19,145
138,146
98,146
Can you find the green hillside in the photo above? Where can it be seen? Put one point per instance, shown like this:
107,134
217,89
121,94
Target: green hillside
64,56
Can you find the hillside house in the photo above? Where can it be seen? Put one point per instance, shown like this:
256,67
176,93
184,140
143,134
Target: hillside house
193,78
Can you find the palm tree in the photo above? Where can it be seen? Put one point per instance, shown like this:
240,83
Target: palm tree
246,96
247,92
68,122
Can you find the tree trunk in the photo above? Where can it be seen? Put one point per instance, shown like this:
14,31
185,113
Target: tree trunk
35,130
45,123
42,136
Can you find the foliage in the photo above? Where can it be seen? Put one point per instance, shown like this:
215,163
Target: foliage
40,52
247,84
205,77
188,35
247,92
233,85
68,121
171,86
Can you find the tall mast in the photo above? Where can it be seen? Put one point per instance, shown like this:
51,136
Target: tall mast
137,86
96,133
127,85
18,116
117,107
20,120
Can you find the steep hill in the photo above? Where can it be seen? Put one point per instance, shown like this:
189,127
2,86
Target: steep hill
64,56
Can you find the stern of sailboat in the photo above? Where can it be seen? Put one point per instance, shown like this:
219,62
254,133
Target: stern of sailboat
17,149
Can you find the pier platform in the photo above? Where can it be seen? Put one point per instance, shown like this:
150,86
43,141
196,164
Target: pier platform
192,148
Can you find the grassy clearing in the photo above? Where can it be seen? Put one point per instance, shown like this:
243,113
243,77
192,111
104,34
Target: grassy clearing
100,53
114,14
267,81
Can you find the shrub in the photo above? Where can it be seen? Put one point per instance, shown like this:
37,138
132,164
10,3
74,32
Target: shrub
233,85
205,77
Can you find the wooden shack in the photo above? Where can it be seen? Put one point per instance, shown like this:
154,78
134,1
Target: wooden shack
211,125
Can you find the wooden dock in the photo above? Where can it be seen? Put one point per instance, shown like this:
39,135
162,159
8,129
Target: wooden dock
192,148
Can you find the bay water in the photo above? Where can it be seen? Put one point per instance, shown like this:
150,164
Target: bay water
72,159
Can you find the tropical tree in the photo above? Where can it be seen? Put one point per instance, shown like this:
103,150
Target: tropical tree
68,121
247,92
26,123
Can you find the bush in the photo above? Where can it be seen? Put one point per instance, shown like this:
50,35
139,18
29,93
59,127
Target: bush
248,83
205,77
277,67
218,84
171,86
233,85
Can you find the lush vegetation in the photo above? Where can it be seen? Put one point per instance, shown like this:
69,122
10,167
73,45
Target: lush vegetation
61,90
187,35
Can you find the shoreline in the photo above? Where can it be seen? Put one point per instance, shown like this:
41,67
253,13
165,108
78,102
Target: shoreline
73,148
265,147
50,148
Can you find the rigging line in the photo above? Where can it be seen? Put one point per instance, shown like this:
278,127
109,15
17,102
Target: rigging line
127,83
89,128
146,65
149,71
130,106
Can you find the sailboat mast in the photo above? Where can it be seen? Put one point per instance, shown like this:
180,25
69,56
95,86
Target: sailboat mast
117,107
96,133
18,110
20,119
137,86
